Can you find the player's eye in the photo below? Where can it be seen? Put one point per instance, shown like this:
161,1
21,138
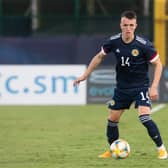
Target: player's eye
128,25
125,25
131,25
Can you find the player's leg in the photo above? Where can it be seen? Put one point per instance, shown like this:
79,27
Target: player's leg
144,110
121,101
116,107
112,129
153,131
145,119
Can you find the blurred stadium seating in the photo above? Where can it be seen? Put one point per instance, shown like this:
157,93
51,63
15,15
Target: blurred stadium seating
57,17
72,20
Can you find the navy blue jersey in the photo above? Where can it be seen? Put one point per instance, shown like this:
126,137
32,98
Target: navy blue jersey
132,60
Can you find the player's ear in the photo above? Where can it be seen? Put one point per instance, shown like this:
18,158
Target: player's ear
120,25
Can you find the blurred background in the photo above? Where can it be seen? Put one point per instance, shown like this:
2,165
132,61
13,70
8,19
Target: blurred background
71,26
72,17
70,32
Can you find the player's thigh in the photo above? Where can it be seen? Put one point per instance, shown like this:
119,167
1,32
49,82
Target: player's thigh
142,98
120,100
143,110
114,115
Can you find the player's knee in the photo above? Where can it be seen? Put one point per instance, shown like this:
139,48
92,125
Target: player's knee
144,110
114,115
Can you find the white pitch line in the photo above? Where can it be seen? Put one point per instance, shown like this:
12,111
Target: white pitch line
157,108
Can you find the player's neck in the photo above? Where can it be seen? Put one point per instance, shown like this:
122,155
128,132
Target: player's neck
128,39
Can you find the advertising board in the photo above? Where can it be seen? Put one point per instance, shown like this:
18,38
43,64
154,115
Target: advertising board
100,85
41,85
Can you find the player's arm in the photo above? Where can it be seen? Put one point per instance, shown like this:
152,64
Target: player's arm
153,92
96,60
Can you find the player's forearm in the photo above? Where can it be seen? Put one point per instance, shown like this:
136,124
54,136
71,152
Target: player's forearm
97,59
157,74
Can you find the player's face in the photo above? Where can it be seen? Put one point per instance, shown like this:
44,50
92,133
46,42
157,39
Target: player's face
128,27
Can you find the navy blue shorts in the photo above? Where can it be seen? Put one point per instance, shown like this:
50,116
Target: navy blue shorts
123,98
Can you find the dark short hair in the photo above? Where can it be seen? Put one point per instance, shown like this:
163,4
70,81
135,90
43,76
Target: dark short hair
129,14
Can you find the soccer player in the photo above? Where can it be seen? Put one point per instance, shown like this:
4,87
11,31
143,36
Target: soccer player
133,55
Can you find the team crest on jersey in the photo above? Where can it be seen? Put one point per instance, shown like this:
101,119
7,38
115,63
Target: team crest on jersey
135,52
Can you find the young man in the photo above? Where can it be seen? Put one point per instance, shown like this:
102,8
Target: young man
133,54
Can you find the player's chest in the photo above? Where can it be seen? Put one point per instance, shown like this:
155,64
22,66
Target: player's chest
132,53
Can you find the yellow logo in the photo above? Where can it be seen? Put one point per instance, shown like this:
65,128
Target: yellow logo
135,52
111,103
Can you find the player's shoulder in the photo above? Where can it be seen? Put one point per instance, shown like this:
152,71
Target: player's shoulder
115,37
142,40
112,39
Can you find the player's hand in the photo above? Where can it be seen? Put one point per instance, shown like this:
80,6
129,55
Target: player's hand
153,93
78,80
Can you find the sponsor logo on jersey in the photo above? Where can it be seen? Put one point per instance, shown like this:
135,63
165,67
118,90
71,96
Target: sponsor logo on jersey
135,52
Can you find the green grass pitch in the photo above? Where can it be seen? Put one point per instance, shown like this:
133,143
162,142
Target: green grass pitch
73,137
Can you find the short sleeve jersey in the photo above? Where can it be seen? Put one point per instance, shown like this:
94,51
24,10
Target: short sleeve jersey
132,60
